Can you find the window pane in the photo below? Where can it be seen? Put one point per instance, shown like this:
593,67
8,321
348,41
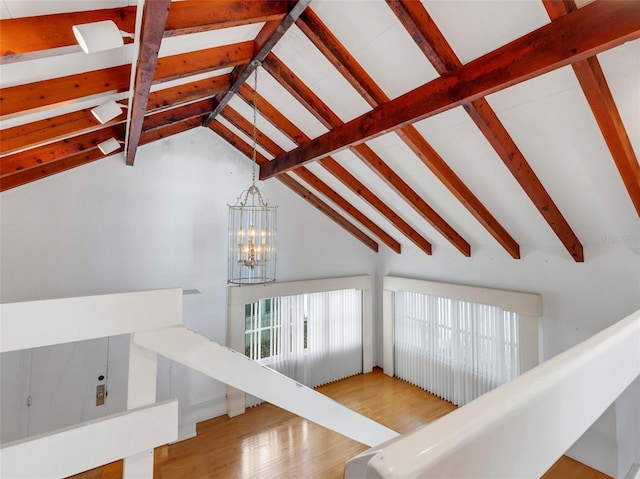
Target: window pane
247,344
265,343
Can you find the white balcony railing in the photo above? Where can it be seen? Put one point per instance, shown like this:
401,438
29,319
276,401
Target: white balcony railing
521,428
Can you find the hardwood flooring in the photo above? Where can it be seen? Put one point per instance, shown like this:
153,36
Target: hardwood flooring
268,442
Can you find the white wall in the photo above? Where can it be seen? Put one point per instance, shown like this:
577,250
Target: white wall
107,228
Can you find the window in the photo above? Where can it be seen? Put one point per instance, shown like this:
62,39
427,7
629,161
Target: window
313,338
454,349
262,329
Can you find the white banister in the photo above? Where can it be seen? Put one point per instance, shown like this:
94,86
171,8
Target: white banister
32,324
235,369
521,428
76,449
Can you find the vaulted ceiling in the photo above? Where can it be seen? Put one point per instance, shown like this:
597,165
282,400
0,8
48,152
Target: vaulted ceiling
451,123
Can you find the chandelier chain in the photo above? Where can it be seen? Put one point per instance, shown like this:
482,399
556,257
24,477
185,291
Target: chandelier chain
255,120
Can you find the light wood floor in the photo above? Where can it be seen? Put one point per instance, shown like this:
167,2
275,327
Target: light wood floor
268,442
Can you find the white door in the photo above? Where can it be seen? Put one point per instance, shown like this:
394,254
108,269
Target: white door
63,384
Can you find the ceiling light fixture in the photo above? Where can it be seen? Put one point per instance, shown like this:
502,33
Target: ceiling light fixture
107,111
98,36
109,146
252,226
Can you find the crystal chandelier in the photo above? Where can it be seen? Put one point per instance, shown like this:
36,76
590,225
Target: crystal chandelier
252,228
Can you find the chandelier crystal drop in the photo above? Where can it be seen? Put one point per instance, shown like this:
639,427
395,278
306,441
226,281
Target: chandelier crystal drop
252,227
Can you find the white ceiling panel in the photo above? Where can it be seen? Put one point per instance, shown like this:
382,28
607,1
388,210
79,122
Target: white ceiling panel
244,137
213,38
262,124
304,59
560,138
621,67
30,8
370,179
377,50
411,169
360,204
468,153
286,104
476,27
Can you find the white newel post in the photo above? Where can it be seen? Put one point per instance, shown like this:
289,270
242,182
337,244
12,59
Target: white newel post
143,366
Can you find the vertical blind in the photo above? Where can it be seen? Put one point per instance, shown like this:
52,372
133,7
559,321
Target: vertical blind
313,338
454,349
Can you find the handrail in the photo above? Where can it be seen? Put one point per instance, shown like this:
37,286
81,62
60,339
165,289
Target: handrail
521,428
32,324
75,449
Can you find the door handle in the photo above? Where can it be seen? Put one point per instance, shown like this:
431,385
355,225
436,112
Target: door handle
100,394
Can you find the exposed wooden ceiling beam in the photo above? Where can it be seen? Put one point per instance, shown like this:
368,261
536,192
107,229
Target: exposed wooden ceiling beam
316,31
596,90
91,154
428,37
196,90
310,178
69,125
55,151
153,21
203,15
178,114
386,173
27,176
184,65
314,200
284,125
29,96
241,74
321,206
25,97
592,29
496,134
323,113
170,129
353,72
30,34
37,133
